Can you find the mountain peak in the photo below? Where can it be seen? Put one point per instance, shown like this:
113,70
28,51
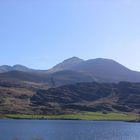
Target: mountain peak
67,64
5,68
17,67
73,59
20,67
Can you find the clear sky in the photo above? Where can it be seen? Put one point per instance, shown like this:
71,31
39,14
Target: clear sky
42,33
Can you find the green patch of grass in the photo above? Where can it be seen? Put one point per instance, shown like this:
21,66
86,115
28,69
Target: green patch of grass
109,116
98,116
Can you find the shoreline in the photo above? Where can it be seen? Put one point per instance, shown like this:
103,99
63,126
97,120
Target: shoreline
88,116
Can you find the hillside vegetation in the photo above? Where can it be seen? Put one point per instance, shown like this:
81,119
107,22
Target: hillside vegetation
33,98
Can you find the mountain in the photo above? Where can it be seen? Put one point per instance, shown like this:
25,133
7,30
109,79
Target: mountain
66,77
52,79
67,64
72,86
102,70
23,76
33,98
121,97
71,71
6,68
107,70
22,68
15,96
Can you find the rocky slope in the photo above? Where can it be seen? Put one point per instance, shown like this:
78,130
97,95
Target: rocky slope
32,98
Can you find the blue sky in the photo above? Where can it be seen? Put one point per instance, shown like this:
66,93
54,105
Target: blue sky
42,33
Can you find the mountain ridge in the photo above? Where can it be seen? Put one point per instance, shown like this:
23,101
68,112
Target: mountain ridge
74,58
72,70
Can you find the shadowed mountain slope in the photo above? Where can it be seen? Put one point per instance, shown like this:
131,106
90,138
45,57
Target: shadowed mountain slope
53,79
35,98
122,97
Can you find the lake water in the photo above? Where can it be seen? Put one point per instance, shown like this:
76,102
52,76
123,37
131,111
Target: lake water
68,130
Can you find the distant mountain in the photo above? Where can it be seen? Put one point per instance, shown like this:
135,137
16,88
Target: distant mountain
107,70
100,70
6,68
67,77
23,76
67,64
73,70
22,68
52,79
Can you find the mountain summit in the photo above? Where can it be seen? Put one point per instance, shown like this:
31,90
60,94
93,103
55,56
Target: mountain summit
67,64
99,69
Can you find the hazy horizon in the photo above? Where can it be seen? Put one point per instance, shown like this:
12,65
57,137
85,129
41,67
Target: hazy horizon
41,34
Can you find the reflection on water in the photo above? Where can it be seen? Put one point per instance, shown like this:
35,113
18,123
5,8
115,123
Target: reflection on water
68,130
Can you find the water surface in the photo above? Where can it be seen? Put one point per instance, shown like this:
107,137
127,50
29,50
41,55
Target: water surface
68,130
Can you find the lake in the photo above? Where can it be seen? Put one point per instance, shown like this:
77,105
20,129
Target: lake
68,130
